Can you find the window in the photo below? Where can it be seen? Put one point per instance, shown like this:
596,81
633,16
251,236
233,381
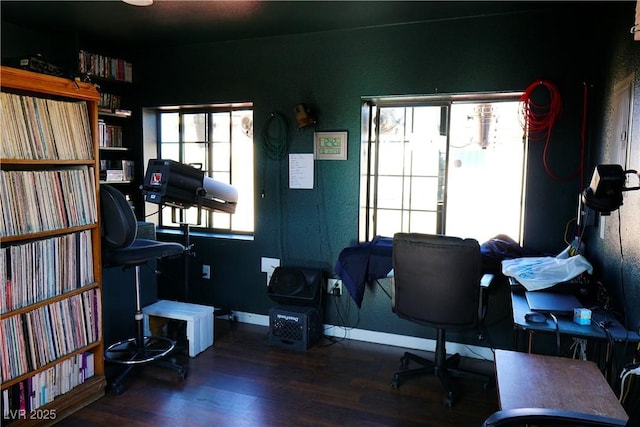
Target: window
218,140
446,165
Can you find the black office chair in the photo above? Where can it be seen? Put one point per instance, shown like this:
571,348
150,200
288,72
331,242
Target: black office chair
436,283
553,417
120,247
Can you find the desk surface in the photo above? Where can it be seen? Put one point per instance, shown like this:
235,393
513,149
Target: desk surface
567,326
536,381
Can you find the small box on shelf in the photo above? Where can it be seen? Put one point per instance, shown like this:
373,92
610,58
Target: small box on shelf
117,170
111,175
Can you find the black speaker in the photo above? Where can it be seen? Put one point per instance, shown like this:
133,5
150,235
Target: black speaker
296,286
294,327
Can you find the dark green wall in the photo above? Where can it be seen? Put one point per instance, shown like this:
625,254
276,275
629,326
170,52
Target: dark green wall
331,71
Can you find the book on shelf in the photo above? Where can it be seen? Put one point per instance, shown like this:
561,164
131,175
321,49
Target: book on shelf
110,136
105,67
109,102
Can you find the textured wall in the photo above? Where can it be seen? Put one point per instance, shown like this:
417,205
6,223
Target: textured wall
331,71
617,256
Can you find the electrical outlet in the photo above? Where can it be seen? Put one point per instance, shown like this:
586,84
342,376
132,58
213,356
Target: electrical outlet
206,272
334,287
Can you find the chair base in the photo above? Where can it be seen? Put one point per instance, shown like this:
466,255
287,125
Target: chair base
444,368
155,350
117,385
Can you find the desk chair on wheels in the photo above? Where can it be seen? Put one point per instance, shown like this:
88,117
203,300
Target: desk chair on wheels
436,283
555,417
120,247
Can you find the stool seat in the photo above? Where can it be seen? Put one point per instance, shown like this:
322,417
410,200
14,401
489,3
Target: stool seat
141,251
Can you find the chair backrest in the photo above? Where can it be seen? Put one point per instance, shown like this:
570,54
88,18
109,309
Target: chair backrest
437,280
119,224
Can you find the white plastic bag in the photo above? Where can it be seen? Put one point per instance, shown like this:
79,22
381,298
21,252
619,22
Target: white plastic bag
536,273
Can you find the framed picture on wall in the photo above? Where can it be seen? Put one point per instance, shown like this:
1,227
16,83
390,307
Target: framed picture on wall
330,146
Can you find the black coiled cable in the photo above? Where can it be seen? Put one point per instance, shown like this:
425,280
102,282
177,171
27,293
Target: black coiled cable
276,144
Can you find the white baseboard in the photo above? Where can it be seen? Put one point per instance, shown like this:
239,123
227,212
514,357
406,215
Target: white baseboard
404,341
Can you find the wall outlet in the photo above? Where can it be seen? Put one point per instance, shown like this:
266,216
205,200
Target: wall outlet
206,272
267,265
334,287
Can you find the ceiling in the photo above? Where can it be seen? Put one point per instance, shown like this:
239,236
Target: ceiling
182,22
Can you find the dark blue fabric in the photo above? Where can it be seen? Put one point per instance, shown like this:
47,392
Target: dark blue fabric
499,248
364,263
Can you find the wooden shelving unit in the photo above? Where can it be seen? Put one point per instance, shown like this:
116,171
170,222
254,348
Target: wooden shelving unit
74,305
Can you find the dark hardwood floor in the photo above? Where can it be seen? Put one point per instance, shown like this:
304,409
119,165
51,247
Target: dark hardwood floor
243,381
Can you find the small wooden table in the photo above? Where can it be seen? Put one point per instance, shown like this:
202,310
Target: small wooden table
536,381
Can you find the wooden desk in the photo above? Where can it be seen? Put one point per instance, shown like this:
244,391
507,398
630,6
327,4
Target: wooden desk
536,381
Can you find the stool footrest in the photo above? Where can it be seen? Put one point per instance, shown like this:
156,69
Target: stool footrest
128,352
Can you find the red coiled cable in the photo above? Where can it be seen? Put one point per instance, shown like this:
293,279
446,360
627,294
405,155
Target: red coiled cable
538,120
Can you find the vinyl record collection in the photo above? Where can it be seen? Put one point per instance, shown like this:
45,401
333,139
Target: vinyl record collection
41,269
38,128
35,201
33,339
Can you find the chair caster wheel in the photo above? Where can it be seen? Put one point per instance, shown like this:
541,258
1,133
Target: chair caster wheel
448,400
118,389
395,383
182,374
404,362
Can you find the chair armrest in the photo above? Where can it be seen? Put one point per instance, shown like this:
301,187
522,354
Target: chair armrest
486,280
519,416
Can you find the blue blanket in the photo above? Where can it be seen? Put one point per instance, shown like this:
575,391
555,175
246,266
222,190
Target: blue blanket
364,263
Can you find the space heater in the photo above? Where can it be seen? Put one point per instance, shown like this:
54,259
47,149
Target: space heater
296,322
